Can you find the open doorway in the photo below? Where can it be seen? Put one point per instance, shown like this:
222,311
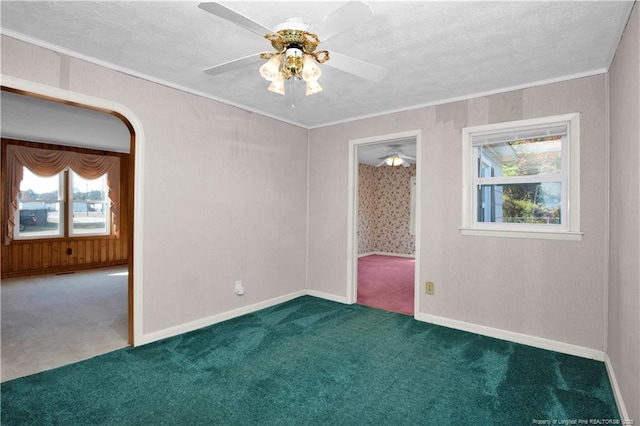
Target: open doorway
22,97
384,180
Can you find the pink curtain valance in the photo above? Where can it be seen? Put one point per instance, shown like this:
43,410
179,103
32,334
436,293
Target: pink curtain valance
45,163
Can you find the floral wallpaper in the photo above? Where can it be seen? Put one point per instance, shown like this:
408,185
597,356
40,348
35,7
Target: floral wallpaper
366,209
384,196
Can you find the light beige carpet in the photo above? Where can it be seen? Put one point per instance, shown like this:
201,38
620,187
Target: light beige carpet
53,320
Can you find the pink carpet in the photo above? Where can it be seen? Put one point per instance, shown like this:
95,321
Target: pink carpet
386,282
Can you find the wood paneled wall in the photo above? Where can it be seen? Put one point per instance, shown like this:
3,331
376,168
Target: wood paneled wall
54,255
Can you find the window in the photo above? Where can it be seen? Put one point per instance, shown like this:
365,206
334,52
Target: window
522,179
90,206
42,206
60,193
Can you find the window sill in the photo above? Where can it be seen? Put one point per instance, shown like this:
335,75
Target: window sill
536,235
61,239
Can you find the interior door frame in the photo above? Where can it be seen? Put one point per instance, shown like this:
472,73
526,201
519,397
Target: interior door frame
136,169
352,221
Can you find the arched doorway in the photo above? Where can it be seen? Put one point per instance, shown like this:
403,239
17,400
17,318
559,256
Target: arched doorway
47,93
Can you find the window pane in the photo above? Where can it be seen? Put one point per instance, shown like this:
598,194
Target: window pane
39,206
90,206
527,203
88,189
36,188
89,218
523,157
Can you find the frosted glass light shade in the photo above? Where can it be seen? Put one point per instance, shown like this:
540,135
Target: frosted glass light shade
310,71
394,161
271,70
313,87
277,86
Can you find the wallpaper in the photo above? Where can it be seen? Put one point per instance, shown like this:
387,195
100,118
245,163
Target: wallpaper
384,209
366,209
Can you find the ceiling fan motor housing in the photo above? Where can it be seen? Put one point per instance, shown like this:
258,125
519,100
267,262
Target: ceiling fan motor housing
284,39
295,43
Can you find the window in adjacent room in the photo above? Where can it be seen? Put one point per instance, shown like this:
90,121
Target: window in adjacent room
90,211
43,203
60,193
522,179
40,206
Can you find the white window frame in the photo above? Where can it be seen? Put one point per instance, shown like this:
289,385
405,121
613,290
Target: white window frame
569,229
65,208
106,210
18,235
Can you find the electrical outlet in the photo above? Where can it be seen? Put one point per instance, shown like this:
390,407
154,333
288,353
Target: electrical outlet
428,288
239,288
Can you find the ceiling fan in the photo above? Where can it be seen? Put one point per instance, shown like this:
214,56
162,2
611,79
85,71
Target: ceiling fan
295,43
395,157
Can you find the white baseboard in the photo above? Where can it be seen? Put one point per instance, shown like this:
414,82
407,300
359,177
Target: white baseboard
214,319
327,296
622,409
525,339
382,253
367,254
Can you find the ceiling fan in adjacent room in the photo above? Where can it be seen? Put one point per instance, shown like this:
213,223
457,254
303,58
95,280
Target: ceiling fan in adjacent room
296,55
395,157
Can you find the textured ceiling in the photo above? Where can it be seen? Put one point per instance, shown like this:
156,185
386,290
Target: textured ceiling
434,51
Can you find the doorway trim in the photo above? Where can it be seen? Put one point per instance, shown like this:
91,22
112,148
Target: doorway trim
352,211
131,121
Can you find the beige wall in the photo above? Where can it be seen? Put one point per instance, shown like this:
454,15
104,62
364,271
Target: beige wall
224,191
384,205
549,289
623,343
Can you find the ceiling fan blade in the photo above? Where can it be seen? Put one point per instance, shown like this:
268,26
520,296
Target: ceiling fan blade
407,157
356,67
235,17
382,163
234,65
345,17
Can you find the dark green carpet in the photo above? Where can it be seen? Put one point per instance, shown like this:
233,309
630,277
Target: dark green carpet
311,361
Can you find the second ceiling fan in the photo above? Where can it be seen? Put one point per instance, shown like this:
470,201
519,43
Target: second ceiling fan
296,55
395,157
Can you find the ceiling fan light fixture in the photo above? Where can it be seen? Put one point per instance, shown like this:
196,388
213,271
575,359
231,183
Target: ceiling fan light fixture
310,71
313,87
271,69
292,61
394,161
277,86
